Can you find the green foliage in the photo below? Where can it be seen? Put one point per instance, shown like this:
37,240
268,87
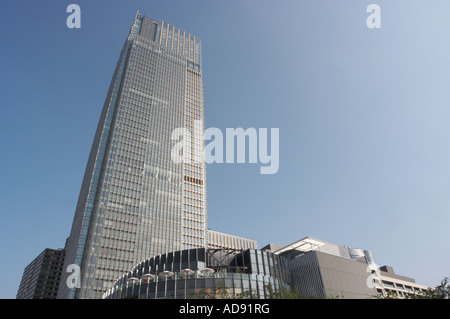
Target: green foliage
283,293
442,291
389,295
221,292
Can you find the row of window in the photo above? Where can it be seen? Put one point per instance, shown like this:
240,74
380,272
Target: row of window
400,286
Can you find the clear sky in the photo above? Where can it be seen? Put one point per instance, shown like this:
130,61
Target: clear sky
363,116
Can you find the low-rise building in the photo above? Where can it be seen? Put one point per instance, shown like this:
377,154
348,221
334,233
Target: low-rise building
200,272
324,270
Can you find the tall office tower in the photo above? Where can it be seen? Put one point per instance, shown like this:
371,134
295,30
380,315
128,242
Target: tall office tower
136,201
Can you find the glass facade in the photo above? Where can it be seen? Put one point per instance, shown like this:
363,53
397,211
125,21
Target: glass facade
190,273
135,201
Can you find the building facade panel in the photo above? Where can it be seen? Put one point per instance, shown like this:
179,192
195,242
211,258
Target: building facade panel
220,240
306,277
344,277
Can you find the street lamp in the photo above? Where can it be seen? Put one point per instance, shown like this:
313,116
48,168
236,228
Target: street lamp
147,277
166,273
187,271
207,271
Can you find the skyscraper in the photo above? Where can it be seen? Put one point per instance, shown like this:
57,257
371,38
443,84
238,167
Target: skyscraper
135,200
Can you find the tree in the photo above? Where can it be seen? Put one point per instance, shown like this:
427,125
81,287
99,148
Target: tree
442,291
389,295
284,293
222,292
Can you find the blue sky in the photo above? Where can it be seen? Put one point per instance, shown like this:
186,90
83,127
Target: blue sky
363,117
